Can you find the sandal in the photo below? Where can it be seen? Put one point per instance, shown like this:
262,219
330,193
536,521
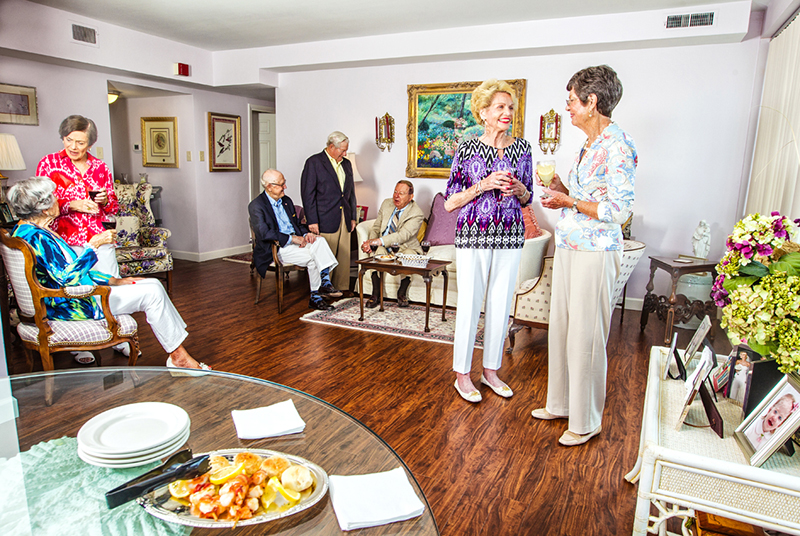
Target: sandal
84,358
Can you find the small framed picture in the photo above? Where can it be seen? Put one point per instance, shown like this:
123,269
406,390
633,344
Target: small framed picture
6,213
18,105
362,213
772,422
695,380
697,339
160,142
224,142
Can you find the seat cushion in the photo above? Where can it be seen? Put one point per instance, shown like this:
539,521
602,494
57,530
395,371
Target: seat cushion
144,267
128,231
77,332
140,254
441,224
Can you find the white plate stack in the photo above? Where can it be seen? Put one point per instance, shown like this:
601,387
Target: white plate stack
133,435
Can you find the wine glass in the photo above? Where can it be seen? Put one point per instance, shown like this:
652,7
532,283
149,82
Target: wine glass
546,169
109,221
394,248
426,246
374,247
93,194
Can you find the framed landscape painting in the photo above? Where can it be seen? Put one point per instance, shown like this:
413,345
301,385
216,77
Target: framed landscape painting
440,117
160,141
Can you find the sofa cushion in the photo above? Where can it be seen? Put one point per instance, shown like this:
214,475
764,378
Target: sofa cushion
532,229
422,229
128,231
441,224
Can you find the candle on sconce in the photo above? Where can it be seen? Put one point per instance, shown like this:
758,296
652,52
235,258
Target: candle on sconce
376,128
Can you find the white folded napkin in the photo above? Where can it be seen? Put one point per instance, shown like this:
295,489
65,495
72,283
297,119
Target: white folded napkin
275,420
375,499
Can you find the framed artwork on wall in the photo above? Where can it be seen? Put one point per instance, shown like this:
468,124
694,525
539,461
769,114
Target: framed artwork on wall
224,142
18,105
160,141
439,118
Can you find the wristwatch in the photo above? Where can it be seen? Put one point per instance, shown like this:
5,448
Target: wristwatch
575,205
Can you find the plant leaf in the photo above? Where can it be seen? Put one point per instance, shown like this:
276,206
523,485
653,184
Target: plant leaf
731,283
754,268
781,266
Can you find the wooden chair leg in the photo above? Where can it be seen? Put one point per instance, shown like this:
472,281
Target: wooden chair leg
258,288
279,277
134,351
97,358
169,283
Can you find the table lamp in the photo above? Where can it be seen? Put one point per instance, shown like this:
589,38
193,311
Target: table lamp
10,155
356,174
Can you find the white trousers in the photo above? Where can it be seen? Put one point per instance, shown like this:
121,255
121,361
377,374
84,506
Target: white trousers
106,259
316,257
489,274
149,296
580,318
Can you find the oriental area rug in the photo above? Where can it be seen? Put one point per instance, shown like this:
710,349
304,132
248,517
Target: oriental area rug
401,322
242,258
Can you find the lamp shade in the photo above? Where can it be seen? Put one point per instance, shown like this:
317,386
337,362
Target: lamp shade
10,155
356,174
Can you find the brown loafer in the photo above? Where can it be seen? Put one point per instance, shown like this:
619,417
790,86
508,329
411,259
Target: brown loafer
402,301
373,302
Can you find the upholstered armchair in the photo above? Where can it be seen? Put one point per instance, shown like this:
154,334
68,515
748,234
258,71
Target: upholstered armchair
532,298
141,246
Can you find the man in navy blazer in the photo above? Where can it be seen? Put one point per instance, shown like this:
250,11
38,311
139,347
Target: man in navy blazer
329,200
273,218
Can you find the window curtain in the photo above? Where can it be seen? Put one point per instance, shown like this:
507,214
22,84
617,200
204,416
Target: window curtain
775,176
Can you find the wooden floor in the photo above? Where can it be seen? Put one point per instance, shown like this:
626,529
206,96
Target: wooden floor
487,469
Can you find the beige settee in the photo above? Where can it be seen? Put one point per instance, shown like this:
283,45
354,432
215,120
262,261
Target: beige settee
532,254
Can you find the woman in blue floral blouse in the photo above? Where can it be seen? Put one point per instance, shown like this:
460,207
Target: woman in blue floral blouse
594,201
57,265
490,182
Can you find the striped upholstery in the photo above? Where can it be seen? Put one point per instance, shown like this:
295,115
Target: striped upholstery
77,332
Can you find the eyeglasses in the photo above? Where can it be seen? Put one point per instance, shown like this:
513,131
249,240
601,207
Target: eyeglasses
570,101
282,185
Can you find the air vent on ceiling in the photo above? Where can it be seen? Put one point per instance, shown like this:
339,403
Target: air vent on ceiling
690,21
84,34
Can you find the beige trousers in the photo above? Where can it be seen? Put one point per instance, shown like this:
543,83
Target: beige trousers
339,242
580,318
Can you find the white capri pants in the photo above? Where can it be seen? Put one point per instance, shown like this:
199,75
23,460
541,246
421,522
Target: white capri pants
489,274
149,296
106,259
580,318
316,257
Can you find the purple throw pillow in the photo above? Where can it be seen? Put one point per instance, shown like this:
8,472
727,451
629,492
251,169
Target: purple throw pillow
441,224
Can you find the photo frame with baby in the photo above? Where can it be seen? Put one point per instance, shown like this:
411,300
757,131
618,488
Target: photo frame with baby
758,436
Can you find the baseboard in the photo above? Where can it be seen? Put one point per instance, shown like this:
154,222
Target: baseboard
210,255
634,304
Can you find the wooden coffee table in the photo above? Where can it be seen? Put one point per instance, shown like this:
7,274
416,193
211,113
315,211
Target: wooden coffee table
433,268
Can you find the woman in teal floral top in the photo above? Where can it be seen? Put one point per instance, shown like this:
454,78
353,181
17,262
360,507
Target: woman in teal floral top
57,265
595,200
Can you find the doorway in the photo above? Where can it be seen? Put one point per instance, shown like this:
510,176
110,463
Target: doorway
262,145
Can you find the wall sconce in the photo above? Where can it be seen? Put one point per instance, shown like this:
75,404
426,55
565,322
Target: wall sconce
384,132
113,95
549,132
356,174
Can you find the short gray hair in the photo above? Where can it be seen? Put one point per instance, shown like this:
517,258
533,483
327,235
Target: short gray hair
78,123
268,175
31,197
336,138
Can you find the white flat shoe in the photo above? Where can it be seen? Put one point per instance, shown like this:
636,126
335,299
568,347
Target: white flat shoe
178,372
472,396
84,358
545,415
504,390
571,439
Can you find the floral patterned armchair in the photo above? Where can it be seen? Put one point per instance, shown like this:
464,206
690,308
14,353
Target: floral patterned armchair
141,246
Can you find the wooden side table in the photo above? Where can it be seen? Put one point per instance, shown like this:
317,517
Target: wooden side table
677,307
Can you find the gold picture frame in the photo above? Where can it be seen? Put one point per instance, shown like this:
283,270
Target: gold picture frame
160,142
224,142
18,105
439,118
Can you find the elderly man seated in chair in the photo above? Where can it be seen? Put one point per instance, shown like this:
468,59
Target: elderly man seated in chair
273,218
398,222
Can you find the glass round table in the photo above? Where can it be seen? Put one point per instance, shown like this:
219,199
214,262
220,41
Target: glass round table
50,490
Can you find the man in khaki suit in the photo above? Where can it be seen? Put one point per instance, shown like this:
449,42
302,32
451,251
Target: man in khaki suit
398,222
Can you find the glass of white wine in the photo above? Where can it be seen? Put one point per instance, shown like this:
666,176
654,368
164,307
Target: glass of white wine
546,169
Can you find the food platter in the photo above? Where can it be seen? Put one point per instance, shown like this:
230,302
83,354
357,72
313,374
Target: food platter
384,258
160,504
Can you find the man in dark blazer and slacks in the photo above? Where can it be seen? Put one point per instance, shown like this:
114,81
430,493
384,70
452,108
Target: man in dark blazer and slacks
329,201
273,218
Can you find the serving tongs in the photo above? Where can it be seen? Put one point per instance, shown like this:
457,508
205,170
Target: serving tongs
179,466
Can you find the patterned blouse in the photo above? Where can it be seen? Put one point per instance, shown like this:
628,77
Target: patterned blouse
57,266
604,175
78,227
490,221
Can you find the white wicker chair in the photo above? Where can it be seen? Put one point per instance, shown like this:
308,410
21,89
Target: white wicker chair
532,301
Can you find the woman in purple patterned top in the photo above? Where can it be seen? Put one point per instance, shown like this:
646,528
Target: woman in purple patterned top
490,181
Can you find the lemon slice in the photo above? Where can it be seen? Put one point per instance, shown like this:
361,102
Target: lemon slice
288,494
268,497
179,489
220,476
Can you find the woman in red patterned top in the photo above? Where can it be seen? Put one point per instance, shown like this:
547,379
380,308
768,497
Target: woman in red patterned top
76,174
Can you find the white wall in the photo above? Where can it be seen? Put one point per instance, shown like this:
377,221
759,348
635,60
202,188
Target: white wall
687,108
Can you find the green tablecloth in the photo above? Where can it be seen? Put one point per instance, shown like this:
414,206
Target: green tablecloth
50,490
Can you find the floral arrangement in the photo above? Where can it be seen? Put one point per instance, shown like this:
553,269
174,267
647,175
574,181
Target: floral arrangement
758,287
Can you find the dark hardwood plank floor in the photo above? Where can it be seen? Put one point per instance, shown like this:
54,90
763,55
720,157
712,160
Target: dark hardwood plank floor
487,469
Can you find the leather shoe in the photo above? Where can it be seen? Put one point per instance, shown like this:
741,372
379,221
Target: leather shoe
373,302
329,290
504,390
402,301
545,415
472,396
316,302
571,439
